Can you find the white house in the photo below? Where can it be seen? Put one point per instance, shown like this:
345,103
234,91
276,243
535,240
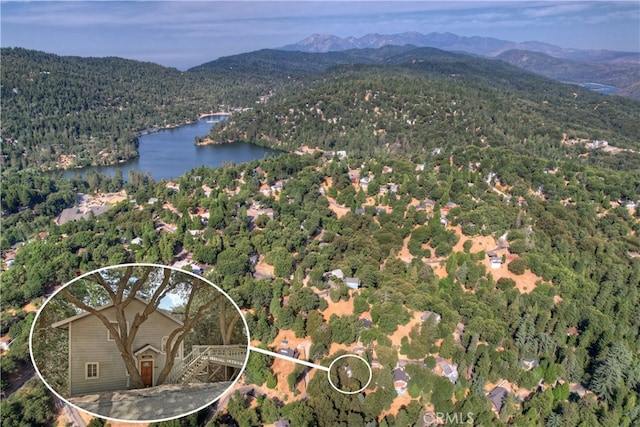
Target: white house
495,262
352,282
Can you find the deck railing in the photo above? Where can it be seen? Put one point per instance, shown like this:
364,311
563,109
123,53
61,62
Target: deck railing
225,355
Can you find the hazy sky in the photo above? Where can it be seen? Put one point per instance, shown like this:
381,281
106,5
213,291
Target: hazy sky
183,34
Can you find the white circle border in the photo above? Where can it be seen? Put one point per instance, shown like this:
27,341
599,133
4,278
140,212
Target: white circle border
350,392
141,264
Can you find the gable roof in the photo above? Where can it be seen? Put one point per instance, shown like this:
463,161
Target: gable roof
399,374
145,348
497,396
65,322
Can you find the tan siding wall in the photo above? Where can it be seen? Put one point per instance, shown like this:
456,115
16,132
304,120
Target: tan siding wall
89,344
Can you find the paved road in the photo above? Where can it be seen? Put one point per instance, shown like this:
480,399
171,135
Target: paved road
72,415
152,403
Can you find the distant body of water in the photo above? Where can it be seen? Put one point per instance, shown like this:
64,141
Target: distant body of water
170,153
605,89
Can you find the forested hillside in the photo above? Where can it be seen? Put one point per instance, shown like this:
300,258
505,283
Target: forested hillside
61,112
438,99
71,111
570,271
624,76
492,230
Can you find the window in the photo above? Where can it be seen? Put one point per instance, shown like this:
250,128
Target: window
117,326
109,334
92,370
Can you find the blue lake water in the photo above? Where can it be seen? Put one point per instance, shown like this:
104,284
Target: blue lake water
597,87
172,152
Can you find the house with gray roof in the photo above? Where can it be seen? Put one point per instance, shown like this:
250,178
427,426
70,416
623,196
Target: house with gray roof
400,380
496,396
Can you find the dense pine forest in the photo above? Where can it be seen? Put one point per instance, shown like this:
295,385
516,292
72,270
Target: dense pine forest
446,184
436,99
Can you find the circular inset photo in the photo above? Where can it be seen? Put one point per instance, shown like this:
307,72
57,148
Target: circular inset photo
139,342
349,374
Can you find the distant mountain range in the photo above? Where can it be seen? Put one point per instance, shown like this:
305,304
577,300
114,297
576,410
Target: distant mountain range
606,70
484,46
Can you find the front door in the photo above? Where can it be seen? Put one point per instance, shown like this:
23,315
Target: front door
146,371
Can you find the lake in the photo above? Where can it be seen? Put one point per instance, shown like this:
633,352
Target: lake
170,153
604,89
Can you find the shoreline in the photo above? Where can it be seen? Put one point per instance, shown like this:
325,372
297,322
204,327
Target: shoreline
209,141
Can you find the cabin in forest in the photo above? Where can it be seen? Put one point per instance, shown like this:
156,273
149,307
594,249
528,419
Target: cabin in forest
496,396
352,282
95,363
431,315
400,380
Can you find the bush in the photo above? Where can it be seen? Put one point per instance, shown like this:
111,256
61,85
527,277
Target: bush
505,284
517,266
517,246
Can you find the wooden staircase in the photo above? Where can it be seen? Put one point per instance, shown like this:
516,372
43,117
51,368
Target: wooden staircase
206,361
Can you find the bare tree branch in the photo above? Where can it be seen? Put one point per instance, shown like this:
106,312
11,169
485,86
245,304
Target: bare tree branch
124,280
232,325
97,278
138,284
151,306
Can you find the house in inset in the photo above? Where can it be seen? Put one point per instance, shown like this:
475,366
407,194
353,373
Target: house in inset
136,241
95,363
352,282
496,396
400,380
